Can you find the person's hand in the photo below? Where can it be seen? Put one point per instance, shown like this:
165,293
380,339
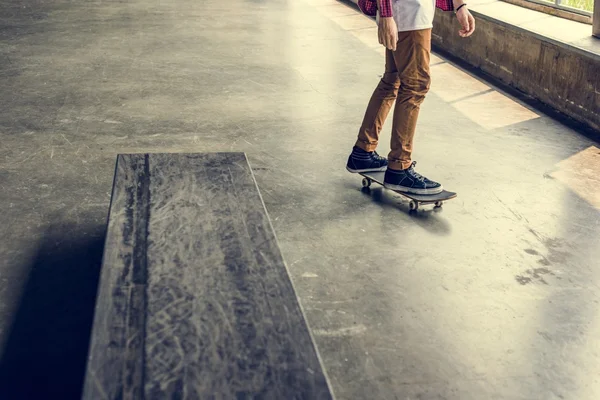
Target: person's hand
467,22
388,33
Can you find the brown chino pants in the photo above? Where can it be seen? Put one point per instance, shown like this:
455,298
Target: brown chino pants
406,80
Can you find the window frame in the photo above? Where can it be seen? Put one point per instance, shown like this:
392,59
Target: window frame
563,7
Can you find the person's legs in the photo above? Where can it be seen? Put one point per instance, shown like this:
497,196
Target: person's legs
363,157
380,104
412,61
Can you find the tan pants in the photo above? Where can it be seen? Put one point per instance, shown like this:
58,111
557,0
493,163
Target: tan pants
406,81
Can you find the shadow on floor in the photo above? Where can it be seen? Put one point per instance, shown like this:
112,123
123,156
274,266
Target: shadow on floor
45,354
428,217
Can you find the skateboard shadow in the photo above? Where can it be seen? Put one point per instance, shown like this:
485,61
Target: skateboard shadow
426,216
46,350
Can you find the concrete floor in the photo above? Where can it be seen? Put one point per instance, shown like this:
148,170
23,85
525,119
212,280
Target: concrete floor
494,297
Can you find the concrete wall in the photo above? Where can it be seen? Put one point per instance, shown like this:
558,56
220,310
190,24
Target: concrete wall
565,78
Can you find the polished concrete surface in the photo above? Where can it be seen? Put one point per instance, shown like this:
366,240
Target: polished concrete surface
497,296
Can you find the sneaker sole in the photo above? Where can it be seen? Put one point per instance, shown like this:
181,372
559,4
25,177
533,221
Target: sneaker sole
358,171
404,189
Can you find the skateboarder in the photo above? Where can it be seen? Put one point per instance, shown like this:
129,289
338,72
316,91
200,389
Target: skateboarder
405,31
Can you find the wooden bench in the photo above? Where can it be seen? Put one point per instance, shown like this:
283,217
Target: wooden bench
195,300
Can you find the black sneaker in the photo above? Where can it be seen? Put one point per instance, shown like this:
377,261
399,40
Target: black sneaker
364,161
408,180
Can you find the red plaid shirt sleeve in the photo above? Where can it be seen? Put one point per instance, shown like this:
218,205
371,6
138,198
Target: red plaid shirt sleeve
369,7
444,5
386,9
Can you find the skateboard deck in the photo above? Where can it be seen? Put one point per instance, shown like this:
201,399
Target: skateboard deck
415,199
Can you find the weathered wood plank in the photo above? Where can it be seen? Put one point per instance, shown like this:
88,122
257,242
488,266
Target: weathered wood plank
195,300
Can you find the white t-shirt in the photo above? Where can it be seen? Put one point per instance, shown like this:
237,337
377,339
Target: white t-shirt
413,15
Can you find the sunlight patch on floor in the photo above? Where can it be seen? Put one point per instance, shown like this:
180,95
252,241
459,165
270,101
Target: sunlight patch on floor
581,174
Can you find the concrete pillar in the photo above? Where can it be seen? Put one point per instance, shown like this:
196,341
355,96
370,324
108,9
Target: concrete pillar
596,28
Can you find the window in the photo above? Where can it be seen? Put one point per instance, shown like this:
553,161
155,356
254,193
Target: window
578,6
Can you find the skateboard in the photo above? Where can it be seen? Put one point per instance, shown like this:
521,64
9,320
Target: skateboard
415,199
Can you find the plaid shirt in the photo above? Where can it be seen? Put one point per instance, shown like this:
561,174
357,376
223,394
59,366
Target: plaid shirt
369,7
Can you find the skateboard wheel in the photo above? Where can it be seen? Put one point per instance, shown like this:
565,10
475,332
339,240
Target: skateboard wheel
439,203
366,182
413,205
